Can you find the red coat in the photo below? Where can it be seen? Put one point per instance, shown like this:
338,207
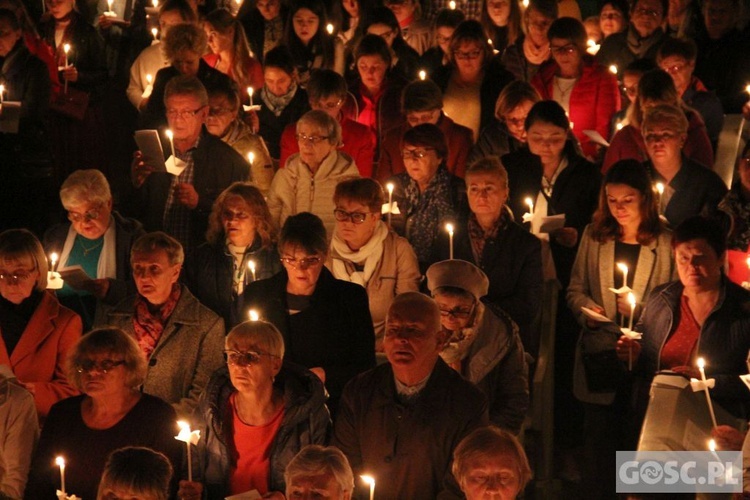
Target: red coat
593,100
40,355
628,144
358,142
460,139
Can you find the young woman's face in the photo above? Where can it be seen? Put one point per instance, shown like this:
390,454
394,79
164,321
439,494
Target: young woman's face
537,25
469,58
269,9
499,11
218,42
306,25
546,141
277,80
611,20
58,9
624,203
515,120
372,70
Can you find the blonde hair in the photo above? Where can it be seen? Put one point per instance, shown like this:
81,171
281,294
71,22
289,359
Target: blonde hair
262,333
85,186
143,472
667,116
21,244
313,460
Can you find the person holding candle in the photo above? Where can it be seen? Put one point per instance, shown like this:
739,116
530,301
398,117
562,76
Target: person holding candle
230,52
317,469
223,121
689,188
325,322
136,472
307,182
256,413
626,245
327,92
179,337
501,20
366,252
37,331
734,210
524,57
703,314
98,239
240,231
445,24
107,367
264,25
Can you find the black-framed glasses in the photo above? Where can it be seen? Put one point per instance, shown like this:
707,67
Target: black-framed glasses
246,358
312,139
415,154
666,136
104,366
17,277
355,217
566,49
647,12
457,312
184,114
471,54
303,264
86,217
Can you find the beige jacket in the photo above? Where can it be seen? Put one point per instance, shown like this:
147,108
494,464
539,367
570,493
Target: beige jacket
593,275
241,138
397,272
295,189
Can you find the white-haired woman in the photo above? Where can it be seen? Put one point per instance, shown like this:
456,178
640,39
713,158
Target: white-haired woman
98,239
254,416
319,469
307,182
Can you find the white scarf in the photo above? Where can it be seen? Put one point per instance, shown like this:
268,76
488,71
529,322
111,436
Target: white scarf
370,254
107,266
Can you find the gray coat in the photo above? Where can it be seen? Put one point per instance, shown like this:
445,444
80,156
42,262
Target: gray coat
187,353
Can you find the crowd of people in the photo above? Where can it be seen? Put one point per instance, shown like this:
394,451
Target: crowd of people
319,232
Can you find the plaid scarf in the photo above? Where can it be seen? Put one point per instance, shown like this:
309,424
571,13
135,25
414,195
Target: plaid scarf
479,237
148,327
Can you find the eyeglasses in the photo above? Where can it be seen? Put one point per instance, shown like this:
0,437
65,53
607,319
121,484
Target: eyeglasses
564,50
229,215
329,105
86,217
647,12
219,111
666,136
611,15
302,264
674,69
473,54
312,139
184,114
415,154
17,277
239,358
457,312
630,91
104,366
355,217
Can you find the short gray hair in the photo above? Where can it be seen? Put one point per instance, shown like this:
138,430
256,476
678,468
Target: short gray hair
265,334
185,36
158,240
417,304
84,186
186,85
313,460
329,126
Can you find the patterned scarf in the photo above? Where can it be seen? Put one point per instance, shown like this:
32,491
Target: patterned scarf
277,104
479,237
149,327
639,46
456,348
426,211
739,213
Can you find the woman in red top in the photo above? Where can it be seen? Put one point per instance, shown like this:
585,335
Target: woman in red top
230,52
587,91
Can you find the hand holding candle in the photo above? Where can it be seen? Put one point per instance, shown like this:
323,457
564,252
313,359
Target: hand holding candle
188,437
370,481
701,367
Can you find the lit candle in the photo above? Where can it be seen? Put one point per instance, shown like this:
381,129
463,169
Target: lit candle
452,5
149,78
390,202
170,135
747,89
60,461
66,49
188,437
109,4
329,28
530,204
253,315
53,261
155,3
712,445
251,158
613,69
149,88
624,268
660,190
631,301
250,93
525,3
619,126
592,47
370,480
701,368
449,228
251,266
422,74
2,91
154,33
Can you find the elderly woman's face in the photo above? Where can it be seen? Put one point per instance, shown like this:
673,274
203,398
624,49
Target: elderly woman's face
278,82
314,146
90,219
221,114
154,275
492,477
355,223
238,222
469,58
251,368
58,9
187,62
17,279
698,265
455,312
664,144
303,269
421,163
314,487
546,141
103,374
515,120
487,194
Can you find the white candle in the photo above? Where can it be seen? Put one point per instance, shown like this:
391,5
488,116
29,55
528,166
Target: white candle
390,202
253,315
452,5
251,266
149,88
250,93
251,158
149,78
60,461
449,228
422,74
530,204
329,28
701,368
624,268
154,33
188,437
371,481
170,135
53,261
155,3
109,4
613,69
712,445
2,91
631,301
525,3
660,190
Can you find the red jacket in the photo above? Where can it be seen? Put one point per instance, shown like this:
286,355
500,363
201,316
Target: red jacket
593,100
460,139
358,142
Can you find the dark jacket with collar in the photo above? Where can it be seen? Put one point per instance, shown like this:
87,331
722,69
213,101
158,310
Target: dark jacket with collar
410,445
216,165
338,334
208,271
575,194
126,232
187,353
272,126
698,191
26,80
306,421
616,50
724,340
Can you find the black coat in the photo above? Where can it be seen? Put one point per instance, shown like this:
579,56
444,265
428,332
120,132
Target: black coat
255,31
338,334
272,126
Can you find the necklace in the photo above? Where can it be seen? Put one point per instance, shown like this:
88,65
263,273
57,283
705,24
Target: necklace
87,251
567,89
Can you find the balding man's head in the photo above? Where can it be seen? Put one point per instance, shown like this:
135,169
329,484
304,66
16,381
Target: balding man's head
416,306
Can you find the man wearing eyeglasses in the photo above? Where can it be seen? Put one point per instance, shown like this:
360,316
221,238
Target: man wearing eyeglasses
641,40
180,205
400,422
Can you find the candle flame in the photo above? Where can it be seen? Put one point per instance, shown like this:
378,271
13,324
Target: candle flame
53,258
149,78
529,202
660,188
701,363
748,261
590,42
251,157
619,126
489,40
613,69
250,91
622,267
185,435
422,74
449,228
154,32
329,28
253,314
251,265
712,445
369,479
631,299
390,187
109,3
747,89
60,461
452,5
66,48
525,3
170,135
155,3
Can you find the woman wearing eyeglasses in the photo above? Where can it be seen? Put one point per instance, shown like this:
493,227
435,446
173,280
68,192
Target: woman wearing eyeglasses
364,251
255,415
36,332
107,367
307,181
325,322
588,92
98,239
